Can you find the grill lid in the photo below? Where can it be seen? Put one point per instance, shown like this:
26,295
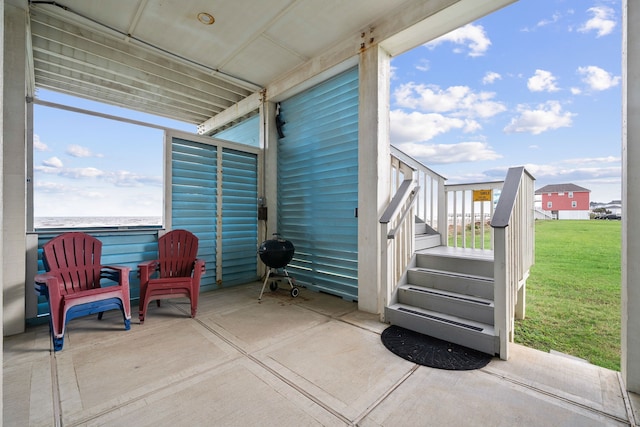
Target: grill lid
276,252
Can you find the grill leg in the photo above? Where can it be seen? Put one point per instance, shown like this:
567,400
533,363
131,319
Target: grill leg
266,280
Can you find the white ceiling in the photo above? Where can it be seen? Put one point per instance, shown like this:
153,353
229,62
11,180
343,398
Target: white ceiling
155,56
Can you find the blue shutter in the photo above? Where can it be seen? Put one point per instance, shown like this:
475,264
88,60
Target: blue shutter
246,132
318,185
239,219
193,201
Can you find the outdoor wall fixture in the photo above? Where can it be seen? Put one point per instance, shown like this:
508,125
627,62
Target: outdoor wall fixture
206,18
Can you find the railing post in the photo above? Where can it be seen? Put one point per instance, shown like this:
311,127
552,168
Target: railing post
501,291
443,221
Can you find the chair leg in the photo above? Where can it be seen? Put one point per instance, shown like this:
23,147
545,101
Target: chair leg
57,343
142,308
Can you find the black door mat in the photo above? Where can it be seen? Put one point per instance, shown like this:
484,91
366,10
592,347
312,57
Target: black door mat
433,352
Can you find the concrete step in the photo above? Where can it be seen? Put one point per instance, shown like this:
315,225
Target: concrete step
475,335
466,284
455,304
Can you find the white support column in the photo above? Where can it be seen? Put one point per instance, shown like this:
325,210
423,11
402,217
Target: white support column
271,172
2,113
630,351
373,176
13,190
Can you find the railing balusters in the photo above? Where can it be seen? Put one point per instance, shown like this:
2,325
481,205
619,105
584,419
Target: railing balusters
513,224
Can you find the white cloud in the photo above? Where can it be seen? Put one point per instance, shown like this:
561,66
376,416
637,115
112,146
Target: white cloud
424,65
473,37
416,126
39,145
490,77
602,21
81,173
449,153
576,91
53,162
597,78
554,18
80,151
544,117
50,187
542,81
459,101
593,160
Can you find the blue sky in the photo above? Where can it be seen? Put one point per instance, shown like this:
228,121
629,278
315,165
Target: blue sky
90,166
537,83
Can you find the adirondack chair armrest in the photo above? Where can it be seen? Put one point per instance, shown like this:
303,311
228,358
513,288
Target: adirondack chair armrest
43,281
198,269
48,285
117,273
146,269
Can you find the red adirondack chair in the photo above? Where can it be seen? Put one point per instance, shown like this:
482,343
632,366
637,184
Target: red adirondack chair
178,271
72,283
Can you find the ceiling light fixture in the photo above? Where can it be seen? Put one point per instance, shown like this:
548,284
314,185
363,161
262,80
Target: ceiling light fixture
206,18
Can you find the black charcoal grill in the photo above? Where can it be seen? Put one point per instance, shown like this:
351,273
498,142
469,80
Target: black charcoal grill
276,253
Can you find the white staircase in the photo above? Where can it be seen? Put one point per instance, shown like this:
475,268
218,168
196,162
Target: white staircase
425,236
448,294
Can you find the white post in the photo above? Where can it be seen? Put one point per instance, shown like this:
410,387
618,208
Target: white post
374,169
14,173
630,351
502,318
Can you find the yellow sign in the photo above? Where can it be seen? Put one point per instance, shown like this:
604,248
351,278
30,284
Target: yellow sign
481,195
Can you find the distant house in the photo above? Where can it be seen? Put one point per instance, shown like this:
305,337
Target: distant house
613,207
565,201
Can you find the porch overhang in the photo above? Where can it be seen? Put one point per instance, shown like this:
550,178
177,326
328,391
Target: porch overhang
156,57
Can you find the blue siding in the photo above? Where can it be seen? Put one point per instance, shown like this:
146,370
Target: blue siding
246,132
193,200
318,184
240,219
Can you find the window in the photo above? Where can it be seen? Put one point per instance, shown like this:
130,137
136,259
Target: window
571,194
561,193
549,204
574,204
93,171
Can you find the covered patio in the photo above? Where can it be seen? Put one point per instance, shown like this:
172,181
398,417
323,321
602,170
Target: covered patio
311,360
314,360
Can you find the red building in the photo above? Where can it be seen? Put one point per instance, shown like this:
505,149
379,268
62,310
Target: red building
565,201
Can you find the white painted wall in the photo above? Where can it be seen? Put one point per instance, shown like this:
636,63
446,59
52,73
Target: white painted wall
573,215
13,190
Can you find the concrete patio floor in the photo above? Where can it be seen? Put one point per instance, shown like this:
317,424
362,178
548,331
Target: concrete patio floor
310,361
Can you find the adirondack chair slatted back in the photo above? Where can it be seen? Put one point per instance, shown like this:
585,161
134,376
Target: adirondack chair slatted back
177,253
75,259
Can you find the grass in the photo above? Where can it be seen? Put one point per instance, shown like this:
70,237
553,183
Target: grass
477,235
573,291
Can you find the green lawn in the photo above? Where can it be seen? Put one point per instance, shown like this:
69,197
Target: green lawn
573,292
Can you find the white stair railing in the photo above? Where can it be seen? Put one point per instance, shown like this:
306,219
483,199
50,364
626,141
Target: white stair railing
469,210
513,227
430,202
